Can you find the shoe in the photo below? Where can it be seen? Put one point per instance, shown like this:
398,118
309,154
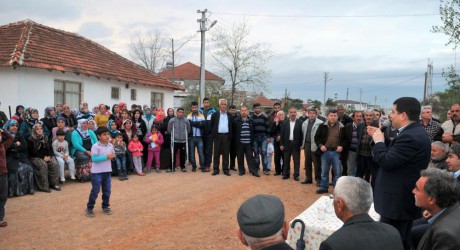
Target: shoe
168,170
207,169
285,177
148,170
307,182
256,174
3,224
121,178
183,170
72,177
277,174
126,178
63,179
296,178
241,174
157,170
266,173
142,174
233,169
107,211
215,173
193,169
227,173
57,188
321,191
89,213
47,190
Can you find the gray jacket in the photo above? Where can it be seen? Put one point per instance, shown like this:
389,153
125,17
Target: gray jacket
317,122
181,129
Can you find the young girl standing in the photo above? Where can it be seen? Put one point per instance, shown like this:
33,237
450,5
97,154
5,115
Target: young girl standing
154,140
136,148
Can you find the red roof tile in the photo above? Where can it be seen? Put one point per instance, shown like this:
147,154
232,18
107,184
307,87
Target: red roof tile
29,44
188,71
264,102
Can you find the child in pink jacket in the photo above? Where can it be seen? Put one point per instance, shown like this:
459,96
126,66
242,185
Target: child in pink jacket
135,147
154,140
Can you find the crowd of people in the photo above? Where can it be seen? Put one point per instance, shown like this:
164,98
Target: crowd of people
387,151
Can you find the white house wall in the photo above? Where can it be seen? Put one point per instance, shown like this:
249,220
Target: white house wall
35,88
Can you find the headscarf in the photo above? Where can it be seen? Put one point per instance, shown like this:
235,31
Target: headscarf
31,121
148,116
47,112
84,133
94,122
75,112
127,120
8,124
112,132
64,109
17,110
39,138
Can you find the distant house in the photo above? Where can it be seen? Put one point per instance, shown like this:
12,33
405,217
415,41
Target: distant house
42,66
266,104
354,105
188,76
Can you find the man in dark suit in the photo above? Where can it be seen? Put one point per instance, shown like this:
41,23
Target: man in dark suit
398,166
243,137
435,192
352,200
221,125
290,141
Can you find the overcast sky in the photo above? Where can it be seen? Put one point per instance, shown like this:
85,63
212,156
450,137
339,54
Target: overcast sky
379,47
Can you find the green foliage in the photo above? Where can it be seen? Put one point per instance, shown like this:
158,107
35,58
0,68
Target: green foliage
450,16
330,102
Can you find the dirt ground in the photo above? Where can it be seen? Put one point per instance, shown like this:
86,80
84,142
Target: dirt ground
159,211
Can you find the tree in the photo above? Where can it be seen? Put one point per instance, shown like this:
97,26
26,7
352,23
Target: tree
450,16
330,102
239,60
149,50
297,103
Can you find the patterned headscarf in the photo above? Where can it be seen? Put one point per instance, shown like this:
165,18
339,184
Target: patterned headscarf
93,122
31,121
47,112
84,133
8,124
39,138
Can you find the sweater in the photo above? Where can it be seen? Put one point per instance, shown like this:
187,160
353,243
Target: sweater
4,145
135,148
101,164
119,147
60,148
181,129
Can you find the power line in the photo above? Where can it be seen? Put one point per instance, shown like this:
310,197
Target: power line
326,16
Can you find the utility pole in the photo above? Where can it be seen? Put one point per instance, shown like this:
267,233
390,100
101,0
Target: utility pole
203,30
346,102
173,64
360,94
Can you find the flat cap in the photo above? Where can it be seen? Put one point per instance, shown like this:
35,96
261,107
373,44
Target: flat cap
261,216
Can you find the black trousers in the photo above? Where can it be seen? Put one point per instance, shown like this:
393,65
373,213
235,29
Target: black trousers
221,147
312,159
245,150
404,228
278,158
295,153
179,146
364,166
3,194
207,150
233,153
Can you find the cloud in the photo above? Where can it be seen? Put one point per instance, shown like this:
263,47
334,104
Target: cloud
94,30
39,11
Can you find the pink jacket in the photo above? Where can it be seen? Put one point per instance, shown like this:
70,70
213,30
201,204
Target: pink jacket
157,144
135,148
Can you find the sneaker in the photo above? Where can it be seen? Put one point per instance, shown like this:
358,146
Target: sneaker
148,170
321,191
157,170
184,170
266,173
168,170
72,177
126,178
107,211
121,178
89,213
193,169
63,179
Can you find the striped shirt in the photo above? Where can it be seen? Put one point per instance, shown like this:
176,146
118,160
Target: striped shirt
245,136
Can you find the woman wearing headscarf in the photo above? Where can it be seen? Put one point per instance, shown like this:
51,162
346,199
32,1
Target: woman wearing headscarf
165,153
19,115
70,120
116,116
84,112
20,170
30,122
41,156
127,130
149,118
82,141
92,125
50,119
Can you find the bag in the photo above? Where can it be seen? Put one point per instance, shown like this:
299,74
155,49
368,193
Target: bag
270,148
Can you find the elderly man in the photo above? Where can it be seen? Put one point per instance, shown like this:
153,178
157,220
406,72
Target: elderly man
309,128
431,126
221,124
398,166
290,141
352,200
435,192
262,224
353,135
438,155
364,161
275,132
450,129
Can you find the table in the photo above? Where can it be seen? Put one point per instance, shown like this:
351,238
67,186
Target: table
316,231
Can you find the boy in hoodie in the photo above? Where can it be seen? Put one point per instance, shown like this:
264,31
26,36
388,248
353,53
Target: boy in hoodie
179,127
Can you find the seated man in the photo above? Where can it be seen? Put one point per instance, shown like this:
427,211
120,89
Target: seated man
435,192
438,155
453,163
352,200
262,224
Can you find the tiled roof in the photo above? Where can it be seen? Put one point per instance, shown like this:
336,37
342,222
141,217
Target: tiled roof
29,44
264,102
188,71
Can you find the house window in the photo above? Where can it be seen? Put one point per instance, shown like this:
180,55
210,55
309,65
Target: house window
66,92
133,94
156,99
115,93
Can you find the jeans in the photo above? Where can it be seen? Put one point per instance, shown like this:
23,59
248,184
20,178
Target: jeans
195,142
99,180
351,162
70,163
260,147
121,165
328,158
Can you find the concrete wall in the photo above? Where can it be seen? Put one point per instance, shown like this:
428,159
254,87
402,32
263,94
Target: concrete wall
35,88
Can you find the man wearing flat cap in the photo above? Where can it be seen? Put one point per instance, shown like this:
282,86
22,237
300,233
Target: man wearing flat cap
262,224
